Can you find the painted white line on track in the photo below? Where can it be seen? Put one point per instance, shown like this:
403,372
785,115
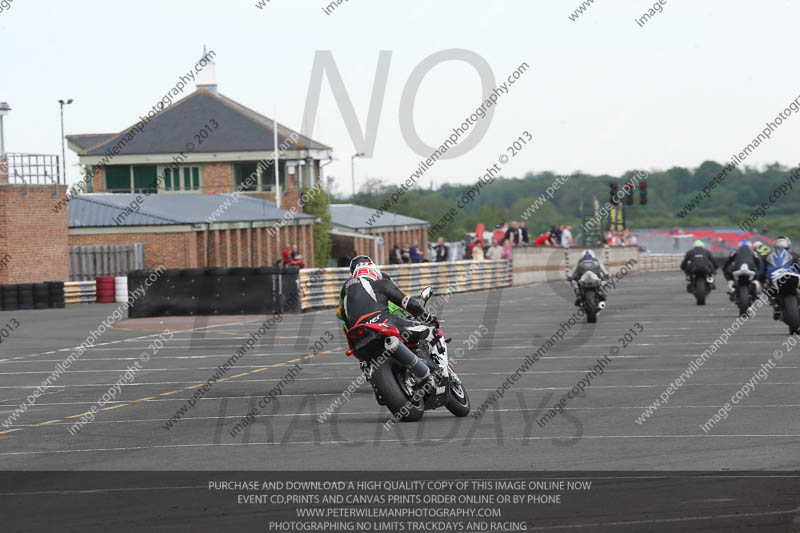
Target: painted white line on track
416,441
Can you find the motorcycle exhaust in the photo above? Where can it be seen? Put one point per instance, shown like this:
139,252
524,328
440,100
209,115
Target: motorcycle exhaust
601,306
407,358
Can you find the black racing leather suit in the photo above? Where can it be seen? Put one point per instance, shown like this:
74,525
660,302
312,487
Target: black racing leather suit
743,255
699,259
366,301
592,265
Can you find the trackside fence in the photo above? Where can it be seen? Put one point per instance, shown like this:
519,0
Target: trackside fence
321,286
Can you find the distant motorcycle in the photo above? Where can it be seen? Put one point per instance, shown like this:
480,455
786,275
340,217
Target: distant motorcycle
745,288
787,282
700,284
377,347
588,291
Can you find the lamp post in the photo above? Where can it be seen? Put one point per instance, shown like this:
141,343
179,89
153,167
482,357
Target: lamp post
353,169
4,109
62,103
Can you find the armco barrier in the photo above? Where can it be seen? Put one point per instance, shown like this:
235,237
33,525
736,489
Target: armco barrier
214,291
540,264
320,286
659,262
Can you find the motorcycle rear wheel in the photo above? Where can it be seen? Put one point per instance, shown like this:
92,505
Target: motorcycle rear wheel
387,379
590,305
700,290
744,299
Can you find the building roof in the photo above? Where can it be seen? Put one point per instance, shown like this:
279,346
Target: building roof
101,210
176,128
356,217
86,140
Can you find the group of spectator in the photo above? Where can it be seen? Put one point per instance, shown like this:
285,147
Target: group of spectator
560,236
621,238
292,257
407,254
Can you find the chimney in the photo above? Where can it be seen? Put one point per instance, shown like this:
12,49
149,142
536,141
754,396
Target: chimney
207,77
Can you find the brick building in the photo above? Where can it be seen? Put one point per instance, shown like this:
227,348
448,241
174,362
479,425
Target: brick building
188,231
353,233
205,143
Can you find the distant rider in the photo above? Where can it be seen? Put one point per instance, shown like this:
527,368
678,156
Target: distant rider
370,296
698,259
744,255
780,257
590,263
762,251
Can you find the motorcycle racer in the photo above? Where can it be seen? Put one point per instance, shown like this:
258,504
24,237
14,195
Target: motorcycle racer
780,257
371,296
590,263
744,255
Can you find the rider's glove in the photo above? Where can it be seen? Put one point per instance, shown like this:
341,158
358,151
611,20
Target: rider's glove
429,317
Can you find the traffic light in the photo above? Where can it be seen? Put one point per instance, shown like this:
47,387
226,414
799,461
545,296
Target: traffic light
613,193
643,193
629,193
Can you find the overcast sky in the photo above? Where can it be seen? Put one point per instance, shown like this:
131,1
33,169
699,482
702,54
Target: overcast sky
604,95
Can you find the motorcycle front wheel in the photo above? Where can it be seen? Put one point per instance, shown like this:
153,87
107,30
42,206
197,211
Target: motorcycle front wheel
458,403
389,381
791,313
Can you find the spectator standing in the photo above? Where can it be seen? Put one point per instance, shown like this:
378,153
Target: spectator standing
542,240
405,254
395,255
525,239
287,255
441,250
566,237
514,234
507,253
500,232
477,253
415,253
495,252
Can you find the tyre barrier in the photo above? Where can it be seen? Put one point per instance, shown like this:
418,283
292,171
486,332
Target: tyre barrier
77,292
213,291
121,289
106,289
320,286
55,294
49,294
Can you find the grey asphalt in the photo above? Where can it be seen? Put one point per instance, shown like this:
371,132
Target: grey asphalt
597,431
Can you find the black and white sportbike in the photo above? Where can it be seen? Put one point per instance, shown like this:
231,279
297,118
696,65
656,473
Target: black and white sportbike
590,294
786,283
385,358
745,288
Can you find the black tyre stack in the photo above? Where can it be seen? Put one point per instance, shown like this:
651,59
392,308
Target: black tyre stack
25,295
41,296
55,294
8,297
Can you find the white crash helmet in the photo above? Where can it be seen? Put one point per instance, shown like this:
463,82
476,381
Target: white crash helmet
368,270
783,242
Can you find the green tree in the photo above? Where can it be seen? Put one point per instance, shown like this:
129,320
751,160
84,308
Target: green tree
317,207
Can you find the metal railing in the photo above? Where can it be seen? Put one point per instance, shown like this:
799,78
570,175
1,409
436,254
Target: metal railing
30,169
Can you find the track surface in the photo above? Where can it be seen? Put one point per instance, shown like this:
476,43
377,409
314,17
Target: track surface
597,432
